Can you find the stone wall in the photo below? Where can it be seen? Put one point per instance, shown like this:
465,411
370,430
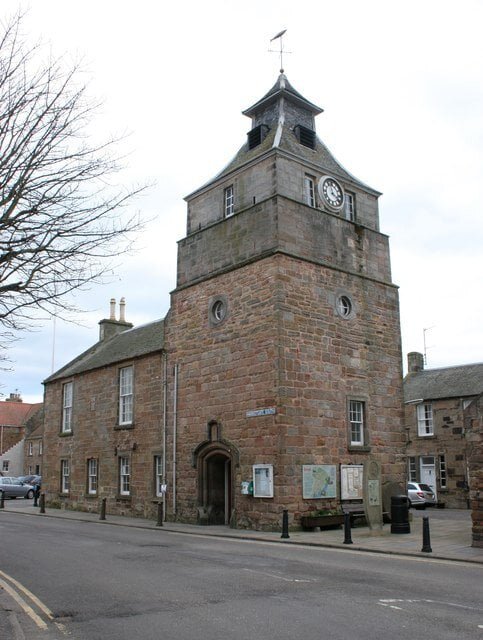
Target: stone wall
283,345
474,436
448,441
97,434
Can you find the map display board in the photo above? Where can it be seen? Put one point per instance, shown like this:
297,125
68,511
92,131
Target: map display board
319,481
351,487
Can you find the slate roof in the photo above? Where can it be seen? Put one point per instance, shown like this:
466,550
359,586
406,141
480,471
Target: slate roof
283,137
14,414
132,343
448,382
280,89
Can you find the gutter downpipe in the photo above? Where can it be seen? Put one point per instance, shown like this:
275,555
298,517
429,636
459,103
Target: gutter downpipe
165,399
175,420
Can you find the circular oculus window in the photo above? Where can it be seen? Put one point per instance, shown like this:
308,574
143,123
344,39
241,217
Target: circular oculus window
344,306
218,311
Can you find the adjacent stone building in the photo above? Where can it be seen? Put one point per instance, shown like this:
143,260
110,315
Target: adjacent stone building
276,374
14,415
474,438
442,413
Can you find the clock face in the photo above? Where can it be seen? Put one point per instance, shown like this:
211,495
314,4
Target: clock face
331,192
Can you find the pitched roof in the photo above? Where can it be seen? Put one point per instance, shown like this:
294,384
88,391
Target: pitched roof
15,414
282,88
132,343
448,382
287,108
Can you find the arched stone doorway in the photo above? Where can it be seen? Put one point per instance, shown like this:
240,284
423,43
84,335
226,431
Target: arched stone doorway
215,464
216,486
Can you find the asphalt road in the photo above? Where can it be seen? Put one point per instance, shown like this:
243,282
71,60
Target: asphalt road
109,582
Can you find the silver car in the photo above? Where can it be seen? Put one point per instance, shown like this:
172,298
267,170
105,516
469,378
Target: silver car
420,495
15,488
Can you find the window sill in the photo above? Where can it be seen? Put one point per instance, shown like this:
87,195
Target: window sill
362,448
429,436
65,434
119,427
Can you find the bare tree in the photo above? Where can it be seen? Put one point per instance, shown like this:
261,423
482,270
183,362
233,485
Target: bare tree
60,218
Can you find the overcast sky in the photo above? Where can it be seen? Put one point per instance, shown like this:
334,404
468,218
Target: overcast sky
401,85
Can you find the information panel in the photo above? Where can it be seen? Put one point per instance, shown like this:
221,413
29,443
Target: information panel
319,481
351,487
262,481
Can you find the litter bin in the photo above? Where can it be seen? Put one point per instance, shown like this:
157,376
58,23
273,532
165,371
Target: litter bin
399,515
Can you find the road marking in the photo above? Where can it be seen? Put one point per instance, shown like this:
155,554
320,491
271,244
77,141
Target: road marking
29,594
390,601
391,606
27,608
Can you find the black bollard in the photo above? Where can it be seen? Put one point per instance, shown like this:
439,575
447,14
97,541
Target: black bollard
2,499
426,541
285,524
159,523
102,515
347,528
42,503
36,496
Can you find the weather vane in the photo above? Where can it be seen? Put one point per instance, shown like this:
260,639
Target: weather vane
281,52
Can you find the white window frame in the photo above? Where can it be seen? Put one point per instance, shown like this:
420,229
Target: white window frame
126,400
41,447
158,475
349,206
443,476
228,201
31,449
124,476
424,412
412,469
5,465
92,475
67,398
263,481
356,411
64,476
309,190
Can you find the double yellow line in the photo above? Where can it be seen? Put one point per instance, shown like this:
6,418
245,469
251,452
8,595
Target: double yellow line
22,596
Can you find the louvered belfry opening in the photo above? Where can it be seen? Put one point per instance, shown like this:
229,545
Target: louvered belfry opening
305,136
257,135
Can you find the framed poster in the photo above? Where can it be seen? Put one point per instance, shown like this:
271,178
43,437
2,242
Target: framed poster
351,487
319,481
263,481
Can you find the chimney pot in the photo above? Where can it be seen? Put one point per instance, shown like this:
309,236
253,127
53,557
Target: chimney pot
112,315
122,310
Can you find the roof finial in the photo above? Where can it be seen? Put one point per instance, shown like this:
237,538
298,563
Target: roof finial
281,52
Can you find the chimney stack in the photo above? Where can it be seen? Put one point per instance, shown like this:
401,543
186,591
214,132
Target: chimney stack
14,397
111,327
415,362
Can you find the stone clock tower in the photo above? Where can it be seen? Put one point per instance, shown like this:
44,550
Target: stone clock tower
283,336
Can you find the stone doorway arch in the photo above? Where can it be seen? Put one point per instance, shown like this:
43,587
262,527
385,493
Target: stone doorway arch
215,464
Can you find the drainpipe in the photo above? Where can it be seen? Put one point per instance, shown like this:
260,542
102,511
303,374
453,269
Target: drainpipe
175,420
165,399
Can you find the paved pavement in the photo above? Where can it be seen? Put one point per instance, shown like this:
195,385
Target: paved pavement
449,532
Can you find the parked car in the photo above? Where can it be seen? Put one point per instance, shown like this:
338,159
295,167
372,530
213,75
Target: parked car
420,495
15,488
33,480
